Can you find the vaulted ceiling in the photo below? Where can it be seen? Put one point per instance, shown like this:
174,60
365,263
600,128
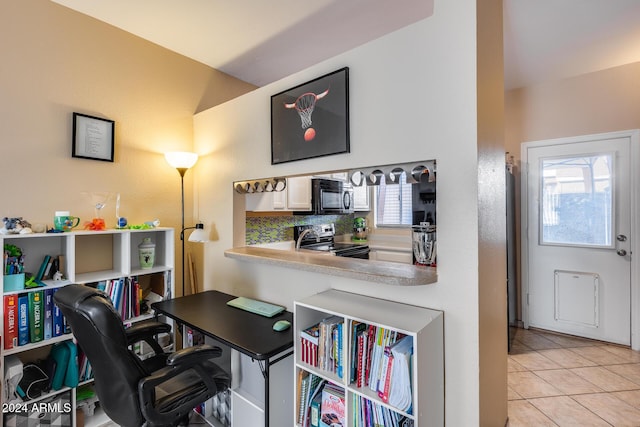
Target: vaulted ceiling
260,42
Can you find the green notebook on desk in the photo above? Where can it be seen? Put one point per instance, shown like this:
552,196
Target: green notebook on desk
254,306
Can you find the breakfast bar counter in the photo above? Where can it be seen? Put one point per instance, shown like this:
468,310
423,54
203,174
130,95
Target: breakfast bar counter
389,273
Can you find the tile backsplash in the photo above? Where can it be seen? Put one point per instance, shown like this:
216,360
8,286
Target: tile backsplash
271,229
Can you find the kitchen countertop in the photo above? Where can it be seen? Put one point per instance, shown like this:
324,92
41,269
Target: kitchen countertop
389,273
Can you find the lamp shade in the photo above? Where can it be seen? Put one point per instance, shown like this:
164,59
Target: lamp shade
181,159
199,235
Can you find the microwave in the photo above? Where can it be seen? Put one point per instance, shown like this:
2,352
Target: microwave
330,197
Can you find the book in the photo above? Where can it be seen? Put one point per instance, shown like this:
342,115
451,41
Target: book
316,385
58,320
48,313
332,407
302,395
47,269
363,352
43,268
23,319
400,387
316,403
356,329
10,321
36,316
325,343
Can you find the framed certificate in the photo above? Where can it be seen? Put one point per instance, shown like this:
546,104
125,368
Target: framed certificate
93,138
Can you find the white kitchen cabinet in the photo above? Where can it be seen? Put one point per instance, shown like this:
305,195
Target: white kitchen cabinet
361,198
299,193
266,202
87,257
295,197
422,328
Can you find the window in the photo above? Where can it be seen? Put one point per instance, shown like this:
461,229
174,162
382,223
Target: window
577,205
393,205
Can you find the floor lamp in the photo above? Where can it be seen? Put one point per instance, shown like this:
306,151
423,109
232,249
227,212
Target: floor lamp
183,161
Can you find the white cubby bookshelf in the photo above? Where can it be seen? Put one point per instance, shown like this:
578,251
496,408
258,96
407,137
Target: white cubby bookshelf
87,257
423,326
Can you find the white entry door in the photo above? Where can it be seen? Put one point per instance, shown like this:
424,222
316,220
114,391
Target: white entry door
578,237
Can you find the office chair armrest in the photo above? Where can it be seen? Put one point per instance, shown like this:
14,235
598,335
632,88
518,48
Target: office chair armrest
146,331
210,379
192,355
142,330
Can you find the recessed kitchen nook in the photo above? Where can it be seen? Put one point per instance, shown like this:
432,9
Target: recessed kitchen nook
375,223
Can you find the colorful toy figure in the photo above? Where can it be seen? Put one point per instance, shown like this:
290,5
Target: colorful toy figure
96,224
15,226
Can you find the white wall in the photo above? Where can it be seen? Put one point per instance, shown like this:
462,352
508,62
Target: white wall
413,97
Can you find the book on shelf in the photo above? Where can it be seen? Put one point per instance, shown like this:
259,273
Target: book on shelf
36,316
48,313
43,268
399,391
309,385
10,321
59,324
23,319
194,338
356,329
367,413
332,406
125,294
84,367
328,357
316,404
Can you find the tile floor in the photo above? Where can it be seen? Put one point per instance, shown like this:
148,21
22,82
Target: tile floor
559,380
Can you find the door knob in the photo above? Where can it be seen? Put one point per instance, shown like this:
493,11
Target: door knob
621,252
621,238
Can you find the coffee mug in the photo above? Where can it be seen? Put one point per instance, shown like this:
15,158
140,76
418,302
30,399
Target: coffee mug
64,222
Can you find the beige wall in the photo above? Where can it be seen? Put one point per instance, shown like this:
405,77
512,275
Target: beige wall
603,101
597,102
413,96
56,61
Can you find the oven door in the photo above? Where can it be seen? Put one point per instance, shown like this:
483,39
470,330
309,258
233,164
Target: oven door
361,252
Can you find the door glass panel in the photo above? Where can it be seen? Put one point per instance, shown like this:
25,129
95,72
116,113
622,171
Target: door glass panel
576,200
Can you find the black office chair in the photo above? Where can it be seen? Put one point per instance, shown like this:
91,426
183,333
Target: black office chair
159,391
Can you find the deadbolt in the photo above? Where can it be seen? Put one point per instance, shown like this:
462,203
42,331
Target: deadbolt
621,238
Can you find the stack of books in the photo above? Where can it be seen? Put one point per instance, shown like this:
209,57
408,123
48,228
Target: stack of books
321,345
381,361
320,403
85,372
32,317
309,388
125,294
370,414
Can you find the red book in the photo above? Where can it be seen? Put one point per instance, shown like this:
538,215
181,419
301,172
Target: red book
359,368
372,340
10,321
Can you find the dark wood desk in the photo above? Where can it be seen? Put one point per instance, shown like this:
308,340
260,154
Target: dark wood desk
249,333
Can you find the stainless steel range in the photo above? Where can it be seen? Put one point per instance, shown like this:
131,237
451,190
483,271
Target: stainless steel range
321,238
